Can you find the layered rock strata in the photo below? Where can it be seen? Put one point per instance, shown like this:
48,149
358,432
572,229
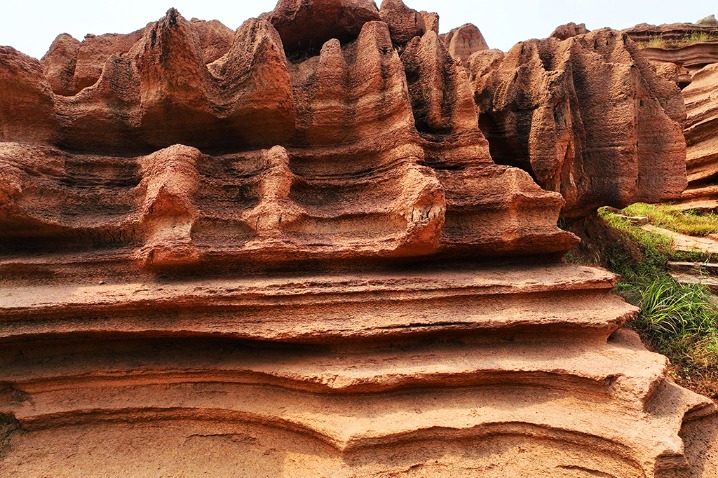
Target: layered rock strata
587,116
235,255
702,138
690,58
691,46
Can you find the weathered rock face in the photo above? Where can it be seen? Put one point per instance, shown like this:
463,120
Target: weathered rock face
26,101
587,116
218,260
463,41
345,117
404,22
690,59
702,136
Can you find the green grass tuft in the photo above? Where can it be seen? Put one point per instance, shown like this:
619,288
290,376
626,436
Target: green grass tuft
678,320
670,217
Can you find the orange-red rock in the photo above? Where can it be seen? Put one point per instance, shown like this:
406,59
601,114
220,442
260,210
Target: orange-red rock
463,41
587,116
229,255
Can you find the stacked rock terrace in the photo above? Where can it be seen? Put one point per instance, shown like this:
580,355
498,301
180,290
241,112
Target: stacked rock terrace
257,251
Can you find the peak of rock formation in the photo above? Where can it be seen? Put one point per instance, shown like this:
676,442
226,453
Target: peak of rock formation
564,32
287,251
463,41
709,20
404,22
587,116
305,25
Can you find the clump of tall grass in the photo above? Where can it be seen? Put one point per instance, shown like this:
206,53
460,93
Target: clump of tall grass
680,321
658,41
655,41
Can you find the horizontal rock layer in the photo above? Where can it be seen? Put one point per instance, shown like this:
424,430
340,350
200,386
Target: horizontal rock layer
691,61
490,357
702,136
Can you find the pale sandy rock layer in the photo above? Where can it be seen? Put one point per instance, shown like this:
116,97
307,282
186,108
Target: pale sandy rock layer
287,251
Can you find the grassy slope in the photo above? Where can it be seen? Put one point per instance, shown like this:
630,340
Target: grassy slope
677,320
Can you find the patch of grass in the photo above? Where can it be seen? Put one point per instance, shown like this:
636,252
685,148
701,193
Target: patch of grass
677,320
670,217
655,249
656,41
698,37
680,321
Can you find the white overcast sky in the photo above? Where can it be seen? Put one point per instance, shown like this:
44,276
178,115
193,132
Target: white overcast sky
31,25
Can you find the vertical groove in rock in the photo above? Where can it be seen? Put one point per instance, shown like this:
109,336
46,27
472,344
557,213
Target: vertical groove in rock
544,108
287,251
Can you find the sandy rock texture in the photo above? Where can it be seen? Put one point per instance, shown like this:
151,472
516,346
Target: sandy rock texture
689,58
587,116
690,45
286,250
702,136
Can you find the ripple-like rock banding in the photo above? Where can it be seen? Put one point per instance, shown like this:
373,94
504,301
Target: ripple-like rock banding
287,251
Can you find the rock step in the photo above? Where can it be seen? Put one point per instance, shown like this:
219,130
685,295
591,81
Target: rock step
686,278
704,206
511,302
354,422
621,369
684,242
704,268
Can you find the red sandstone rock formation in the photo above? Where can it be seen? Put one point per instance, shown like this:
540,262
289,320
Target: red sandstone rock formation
587,116
250,253
464,41
685,61
564,32
702,137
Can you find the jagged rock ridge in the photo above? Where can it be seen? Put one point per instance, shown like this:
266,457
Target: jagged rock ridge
587,116
249,252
